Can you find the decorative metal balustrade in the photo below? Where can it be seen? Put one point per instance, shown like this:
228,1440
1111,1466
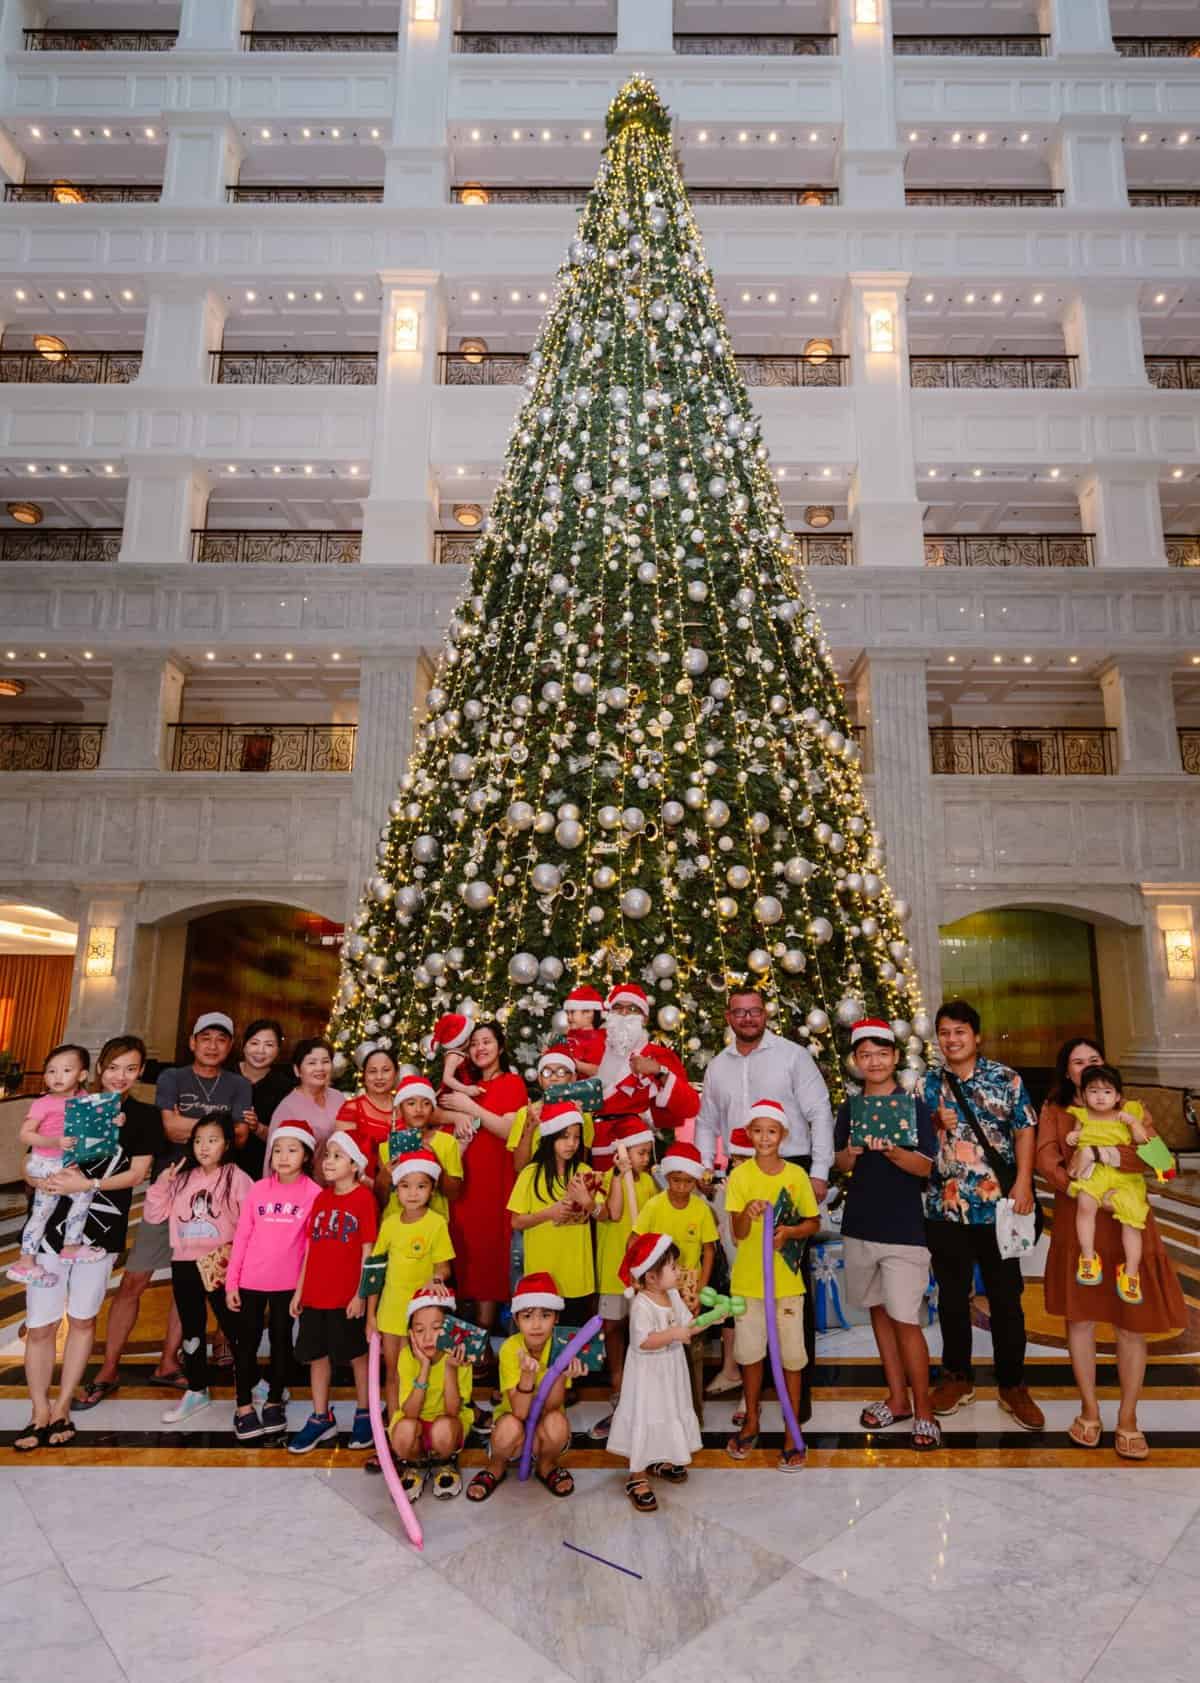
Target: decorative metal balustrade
289,193
1009,373
1009,549
1022,751
1174,373
475,194
100,40
1157,46
1189,750
1183,549
50,747
971,46
319,41
534,41
60,543
82,192
69,368
756,46
252,546
1164,198
294,368
509,368
822,549
454,549
1010,198
263,748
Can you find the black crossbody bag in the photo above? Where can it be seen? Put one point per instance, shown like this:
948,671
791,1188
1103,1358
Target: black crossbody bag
1004,1174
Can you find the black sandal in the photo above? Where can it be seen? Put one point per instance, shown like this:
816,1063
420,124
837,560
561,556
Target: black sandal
483,1485
557,1481
39,1434
667,1470
641,1495
68,1427
94,1394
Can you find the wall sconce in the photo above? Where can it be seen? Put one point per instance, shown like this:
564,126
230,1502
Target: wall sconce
1181,955
866,11
406,329
424,11
25,514
472,350
51,346
818,350
818,515
881,330
101,952
468,514
473,194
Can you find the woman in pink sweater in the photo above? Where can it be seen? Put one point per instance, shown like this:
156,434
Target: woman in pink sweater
268,1252
201,1199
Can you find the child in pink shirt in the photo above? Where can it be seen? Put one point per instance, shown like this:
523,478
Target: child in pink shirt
44,1131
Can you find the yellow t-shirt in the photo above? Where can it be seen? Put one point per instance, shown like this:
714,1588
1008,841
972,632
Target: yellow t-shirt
446,1149
613,1236
518,1128
413,1250
510,1369
690,1228
745,1184
434,1405
564,1252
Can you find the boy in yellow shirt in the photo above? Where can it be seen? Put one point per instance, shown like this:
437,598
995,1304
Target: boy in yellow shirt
434,1413
416,1242
751,1187
626,1190
682,1213
414,1108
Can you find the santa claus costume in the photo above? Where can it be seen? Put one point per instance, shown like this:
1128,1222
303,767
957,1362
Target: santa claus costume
665,1098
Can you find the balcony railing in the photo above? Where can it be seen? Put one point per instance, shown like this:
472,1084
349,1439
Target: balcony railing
1157,46
454,549
1174,373
251,546
100,40
1022,751
69,368
472,193
1189,750
971,46
50,747
262,748
288,193
757,46
60,543
294,368
822,549
1011,373
319,41
1019,198
534,41
1164,198
508,368
1183,549
1009,549
82,192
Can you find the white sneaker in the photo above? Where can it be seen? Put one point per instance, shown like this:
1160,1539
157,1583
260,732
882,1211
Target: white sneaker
191,1402
262,1391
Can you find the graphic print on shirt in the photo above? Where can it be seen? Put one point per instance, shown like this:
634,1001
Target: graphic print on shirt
201,1223
337,1224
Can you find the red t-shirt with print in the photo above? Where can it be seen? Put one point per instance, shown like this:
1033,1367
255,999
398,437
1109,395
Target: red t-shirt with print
340,1224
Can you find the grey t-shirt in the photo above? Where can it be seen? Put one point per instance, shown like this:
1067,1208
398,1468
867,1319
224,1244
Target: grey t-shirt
198,1096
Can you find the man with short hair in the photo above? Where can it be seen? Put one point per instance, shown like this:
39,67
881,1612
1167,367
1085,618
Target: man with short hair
971,1095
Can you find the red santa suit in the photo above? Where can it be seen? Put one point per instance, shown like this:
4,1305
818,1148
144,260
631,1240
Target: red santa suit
666,1101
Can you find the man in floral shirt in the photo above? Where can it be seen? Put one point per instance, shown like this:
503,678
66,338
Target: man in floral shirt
960,1213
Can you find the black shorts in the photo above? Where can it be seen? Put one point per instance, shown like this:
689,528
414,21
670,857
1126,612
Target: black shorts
331,1332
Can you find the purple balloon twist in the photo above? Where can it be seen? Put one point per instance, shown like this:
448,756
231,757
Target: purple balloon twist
777,1374
557,1367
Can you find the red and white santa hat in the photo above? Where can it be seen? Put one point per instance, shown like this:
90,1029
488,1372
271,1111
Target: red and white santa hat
583,998
641,1253
295,1131
604,1142
628,993
631,1131
415,1163
555,1055
683,1159
536,1291
556,1117
451,1032
768,1110
739,1144
872,1028
415,1087
347,1143
430,1296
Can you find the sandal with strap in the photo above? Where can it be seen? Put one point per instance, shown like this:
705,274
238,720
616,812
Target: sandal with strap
878,1416
669,1470
94,1394
1129,1286
926,1435
62,1433
1089,1270
483,1485
1131,1446
1085,1434
557,1481
641,1495
740,1445
791,1460
39,1434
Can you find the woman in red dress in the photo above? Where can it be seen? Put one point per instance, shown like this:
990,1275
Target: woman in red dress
479,1221
368,1115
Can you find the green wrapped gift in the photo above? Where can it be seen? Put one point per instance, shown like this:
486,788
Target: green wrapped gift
591,1355
787,1215
91,1127
588,1094
884,1116
374,1273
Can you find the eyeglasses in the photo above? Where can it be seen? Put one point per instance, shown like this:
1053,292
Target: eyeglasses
748,1011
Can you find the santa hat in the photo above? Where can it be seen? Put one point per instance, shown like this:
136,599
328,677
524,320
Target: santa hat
429,1297
536,1291
604,1141
641,1253
350,1146
295,1131
415,1163
683,1159
555,1055
583,998
768,1110
631,1131
628,993
739,1144
872,1028
556,1117
415,1087
451,1032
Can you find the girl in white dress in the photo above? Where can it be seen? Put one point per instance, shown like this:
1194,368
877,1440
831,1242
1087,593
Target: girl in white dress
655,1425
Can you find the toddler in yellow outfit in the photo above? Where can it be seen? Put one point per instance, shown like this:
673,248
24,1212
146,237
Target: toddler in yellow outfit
1105,1122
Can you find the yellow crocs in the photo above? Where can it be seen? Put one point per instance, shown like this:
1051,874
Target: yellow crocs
1090,1270
1129,1286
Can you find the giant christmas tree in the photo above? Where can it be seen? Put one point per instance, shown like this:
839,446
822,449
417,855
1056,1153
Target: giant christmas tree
636,761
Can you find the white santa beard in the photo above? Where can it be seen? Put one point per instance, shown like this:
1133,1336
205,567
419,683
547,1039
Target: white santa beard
623,1036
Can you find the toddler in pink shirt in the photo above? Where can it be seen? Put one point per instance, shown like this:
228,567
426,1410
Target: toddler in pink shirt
43,1130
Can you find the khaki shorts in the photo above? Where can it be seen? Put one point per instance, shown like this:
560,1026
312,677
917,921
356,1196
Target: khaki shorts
750,1333
892,1277
613,1306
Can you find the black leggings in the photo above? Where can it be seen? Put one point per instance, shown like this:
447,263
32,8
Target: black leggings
192,1301
274,1306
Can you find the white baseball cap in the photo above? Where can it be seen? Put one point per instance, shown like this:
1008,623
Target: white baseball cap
213,1019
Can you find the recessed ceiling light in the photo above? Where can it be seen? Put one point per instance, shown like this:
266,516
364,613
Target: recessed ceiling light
460,471
358,297
981,138
743,135
474,298
21,293
319,297
258,654
107,133
933,473
542,297
1074,660
912,134
230,468
772,137
41,654
60,295
265,133
545,134
336,133
78,133
1176,473
956,137
826,473
1184,138
288,655
32,468
1027,660
308,467
951,660
108,468
354,471
1143,138
997,660
307,133
36,133
87,654
997,298
210,654
150,134
514,297
813,135
976,473
781,473
1160,297
12,654
374,134
335,655
516,134
277,468
745,297
814,297
929,297
63,468
970,298
587,134
1038,296
475,135
1024,138
291,297
127,295
250,297
1054,472
772,297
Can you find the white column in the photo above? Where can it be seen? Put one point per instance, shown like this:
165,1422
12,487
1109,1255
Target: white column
1121,506
645,26
104,1006
391,689
147,695
1090,162
164,504
1139,704
1077,28
417,163
213,26
1165,1042
16,16
1102,326
184,323
885,514
892,705
871,162
400,513
204,155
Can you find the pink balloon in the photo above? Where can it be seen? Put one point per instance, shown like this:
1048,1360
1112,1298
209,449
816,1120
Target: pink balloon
384,1451
785,1402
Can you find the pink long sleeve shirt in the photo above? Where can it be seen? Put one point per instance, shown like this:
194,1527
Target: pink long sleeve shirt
202,1211
272,1231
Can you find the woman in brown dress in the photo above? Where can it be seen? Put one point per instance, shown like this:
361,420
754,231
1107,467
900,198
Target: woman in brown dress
1161,1311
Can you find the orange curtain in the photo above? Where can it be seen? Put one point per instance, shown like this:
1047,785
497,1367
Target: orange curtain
34,995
